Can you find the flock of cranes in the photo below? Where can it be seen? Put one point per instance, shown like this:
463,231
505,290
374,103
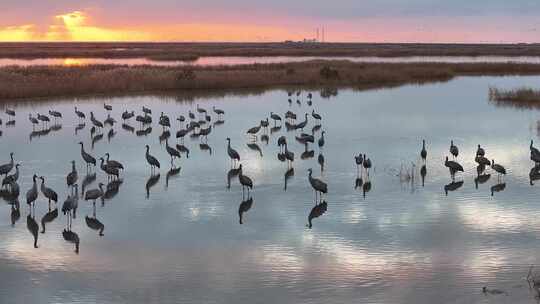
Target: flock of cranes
197,125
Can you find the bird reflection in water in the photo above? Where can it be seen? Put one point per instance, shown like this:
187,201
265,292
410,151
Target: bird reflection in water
56,127
275,129
288,175
144,132
79,127
453,186
96,138
243,208
128,128
232,174
112,189
10,123
219,122
358,182
164,136
307,154
481,177
205,147
33,227
151,182
366,188
497,188
423,173
15,213
183,149
534,174
88,179
39,133
94,224
48,218
110,135
71,237
265,138
171,173
255,147
316,212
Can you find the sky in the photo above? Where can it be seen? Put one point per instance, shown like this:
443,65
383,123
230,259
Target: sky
275,20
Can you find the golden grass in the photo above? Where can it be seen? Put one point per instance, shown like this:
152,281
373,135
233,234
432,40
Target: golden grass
182,50
57,81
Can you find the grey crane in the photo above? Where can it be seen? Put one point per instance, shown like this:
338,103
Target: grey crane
498,168
43,118
204,132
49,193
89,159
289,156
423,152
367,164
182,133
107,107
321,140
6,168
183,149
80,114
127,115
172,151
113,163
71,204
95,122
110,171
281,142
55,114
303,124
72,176
33,120
245,181
10,112
152,161
453,166
321,161
315,115
191,115
359,160
32,193
200,110
318,185
290,115
219,112
275,117
480,151
454,149
146,110
253,131
481,160
9,179
94,194
181,118
233,155
164,121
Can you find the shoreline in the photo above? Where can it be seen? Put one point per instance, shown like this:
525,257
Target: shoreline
46,82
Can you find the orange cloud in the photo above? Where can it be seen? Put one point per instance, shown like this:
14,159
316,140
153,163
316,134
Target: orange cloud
76,26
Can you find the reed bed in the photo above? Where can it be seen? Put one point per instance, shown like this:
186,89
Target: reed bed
56,81
192,50
518,98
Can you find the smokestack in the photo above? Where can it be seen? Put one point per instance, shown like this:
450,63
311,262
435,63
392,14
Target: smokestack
317,34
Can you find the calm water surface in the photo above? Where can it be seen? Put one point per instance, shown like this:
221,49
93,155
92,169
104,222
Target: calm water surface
212,61
397,243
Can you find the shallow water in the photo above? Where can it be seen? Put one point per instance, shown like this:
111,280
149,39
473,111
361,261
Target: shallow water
400,242
216,60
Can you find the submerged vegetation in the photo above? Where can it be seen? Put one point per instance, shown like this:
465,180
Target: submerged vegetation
55,81
525,95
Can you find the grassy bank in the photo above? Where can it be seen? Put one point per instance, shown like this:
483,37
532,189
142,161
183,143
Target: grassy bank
195,50
519,98
56,81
